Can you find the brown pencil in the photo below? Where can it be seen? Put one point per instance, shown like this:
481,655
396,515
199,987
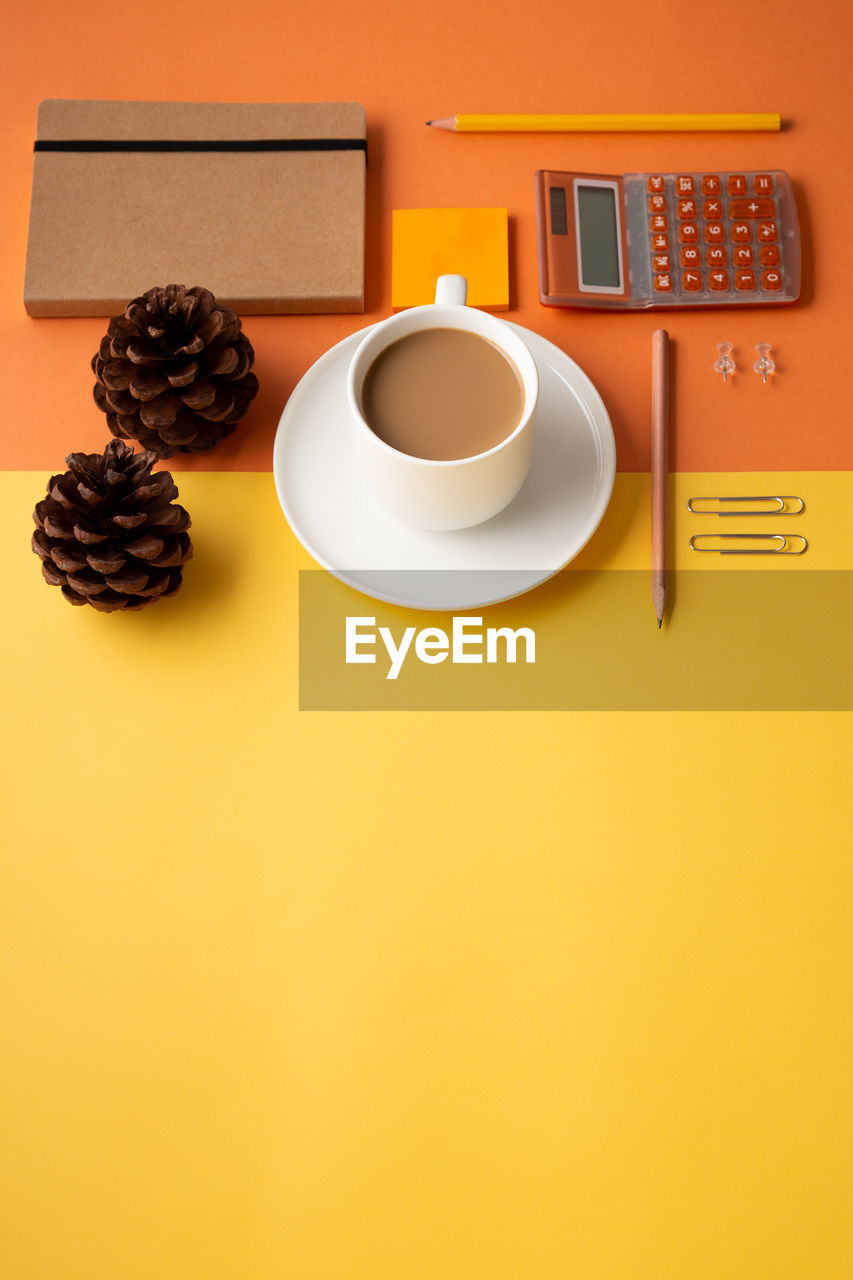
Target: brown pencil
660,431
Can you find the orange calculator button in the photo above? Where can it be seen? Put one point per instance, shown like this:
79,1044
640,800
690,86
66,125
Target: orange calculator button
715,256
742,256
768,255
737,185
741,232
752,207
686,208
710,185
691,281
744,280
656,184
684,185
767,233
657,222
715,233
657,204
663,282
763,184
688,233
771,279
718,280
712,208
660,244
661,262
689,257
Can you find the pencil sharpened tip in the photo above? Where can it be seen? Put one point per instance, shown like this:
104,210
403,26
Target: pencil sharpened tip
660,623
429,122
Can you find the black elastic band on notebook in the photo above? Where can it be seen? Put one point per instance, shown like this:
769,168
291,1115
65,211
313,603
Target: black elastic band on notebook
176,144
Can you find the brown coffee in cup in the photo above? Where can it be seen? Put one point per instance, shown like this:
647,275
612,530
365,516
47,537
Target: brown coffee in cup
442,394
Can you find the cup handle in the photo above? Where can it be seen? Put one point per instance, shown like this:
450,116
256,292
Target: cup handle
452,289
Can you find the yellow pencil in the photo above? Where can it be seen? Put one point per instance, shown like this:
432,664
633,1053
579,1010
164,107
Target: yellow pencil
767,121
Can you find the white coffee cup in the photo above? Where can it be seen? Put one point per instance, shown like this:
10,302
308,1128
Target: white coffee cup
460,492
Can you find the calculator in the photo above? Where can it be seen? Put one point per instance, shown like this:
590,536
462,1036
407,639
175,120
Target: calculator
641,240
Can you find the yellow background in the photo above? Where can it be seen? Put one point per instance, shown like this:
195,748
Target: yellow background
423,995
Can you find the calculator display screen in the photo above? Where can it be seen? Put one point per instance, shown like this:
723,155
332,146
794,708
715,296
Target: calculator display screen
598,236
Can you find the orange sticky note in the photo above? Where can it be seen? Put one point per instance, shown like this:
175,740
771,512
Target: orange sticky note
428,243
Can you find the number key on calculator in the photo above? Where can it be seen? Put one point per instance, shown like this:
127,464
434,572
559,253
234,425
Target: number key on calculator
641,240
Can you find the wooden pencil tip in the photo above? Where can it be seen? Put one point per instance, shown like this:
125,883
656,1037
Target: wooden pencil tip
660,623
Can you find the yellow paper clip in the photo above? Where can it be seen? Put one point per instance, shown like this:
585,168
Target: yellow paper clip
783,543
780,502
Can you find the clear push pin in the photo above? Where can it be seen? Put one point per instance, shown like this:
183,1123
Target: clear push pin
724,363
763,364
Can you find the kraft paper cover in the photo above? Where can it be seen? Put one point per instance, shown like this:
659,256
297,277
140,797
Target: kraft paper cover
266,231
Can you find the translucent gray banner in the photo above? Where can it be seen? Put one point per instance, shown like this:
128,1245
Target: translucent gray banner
586,640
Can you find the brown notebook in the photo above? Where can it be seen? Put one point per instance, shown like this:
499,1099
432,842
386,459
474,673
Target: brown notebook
262,203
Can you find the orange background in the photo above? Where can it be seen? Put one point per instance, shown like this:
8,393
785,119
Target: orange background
410,62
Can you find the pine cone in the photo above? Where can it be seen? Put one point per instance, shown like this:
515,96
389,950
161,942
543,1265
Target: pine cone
173,371
108,531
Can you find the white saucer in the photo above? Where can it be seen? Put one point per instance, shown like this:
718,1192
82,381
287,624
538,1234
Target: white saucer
340,525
